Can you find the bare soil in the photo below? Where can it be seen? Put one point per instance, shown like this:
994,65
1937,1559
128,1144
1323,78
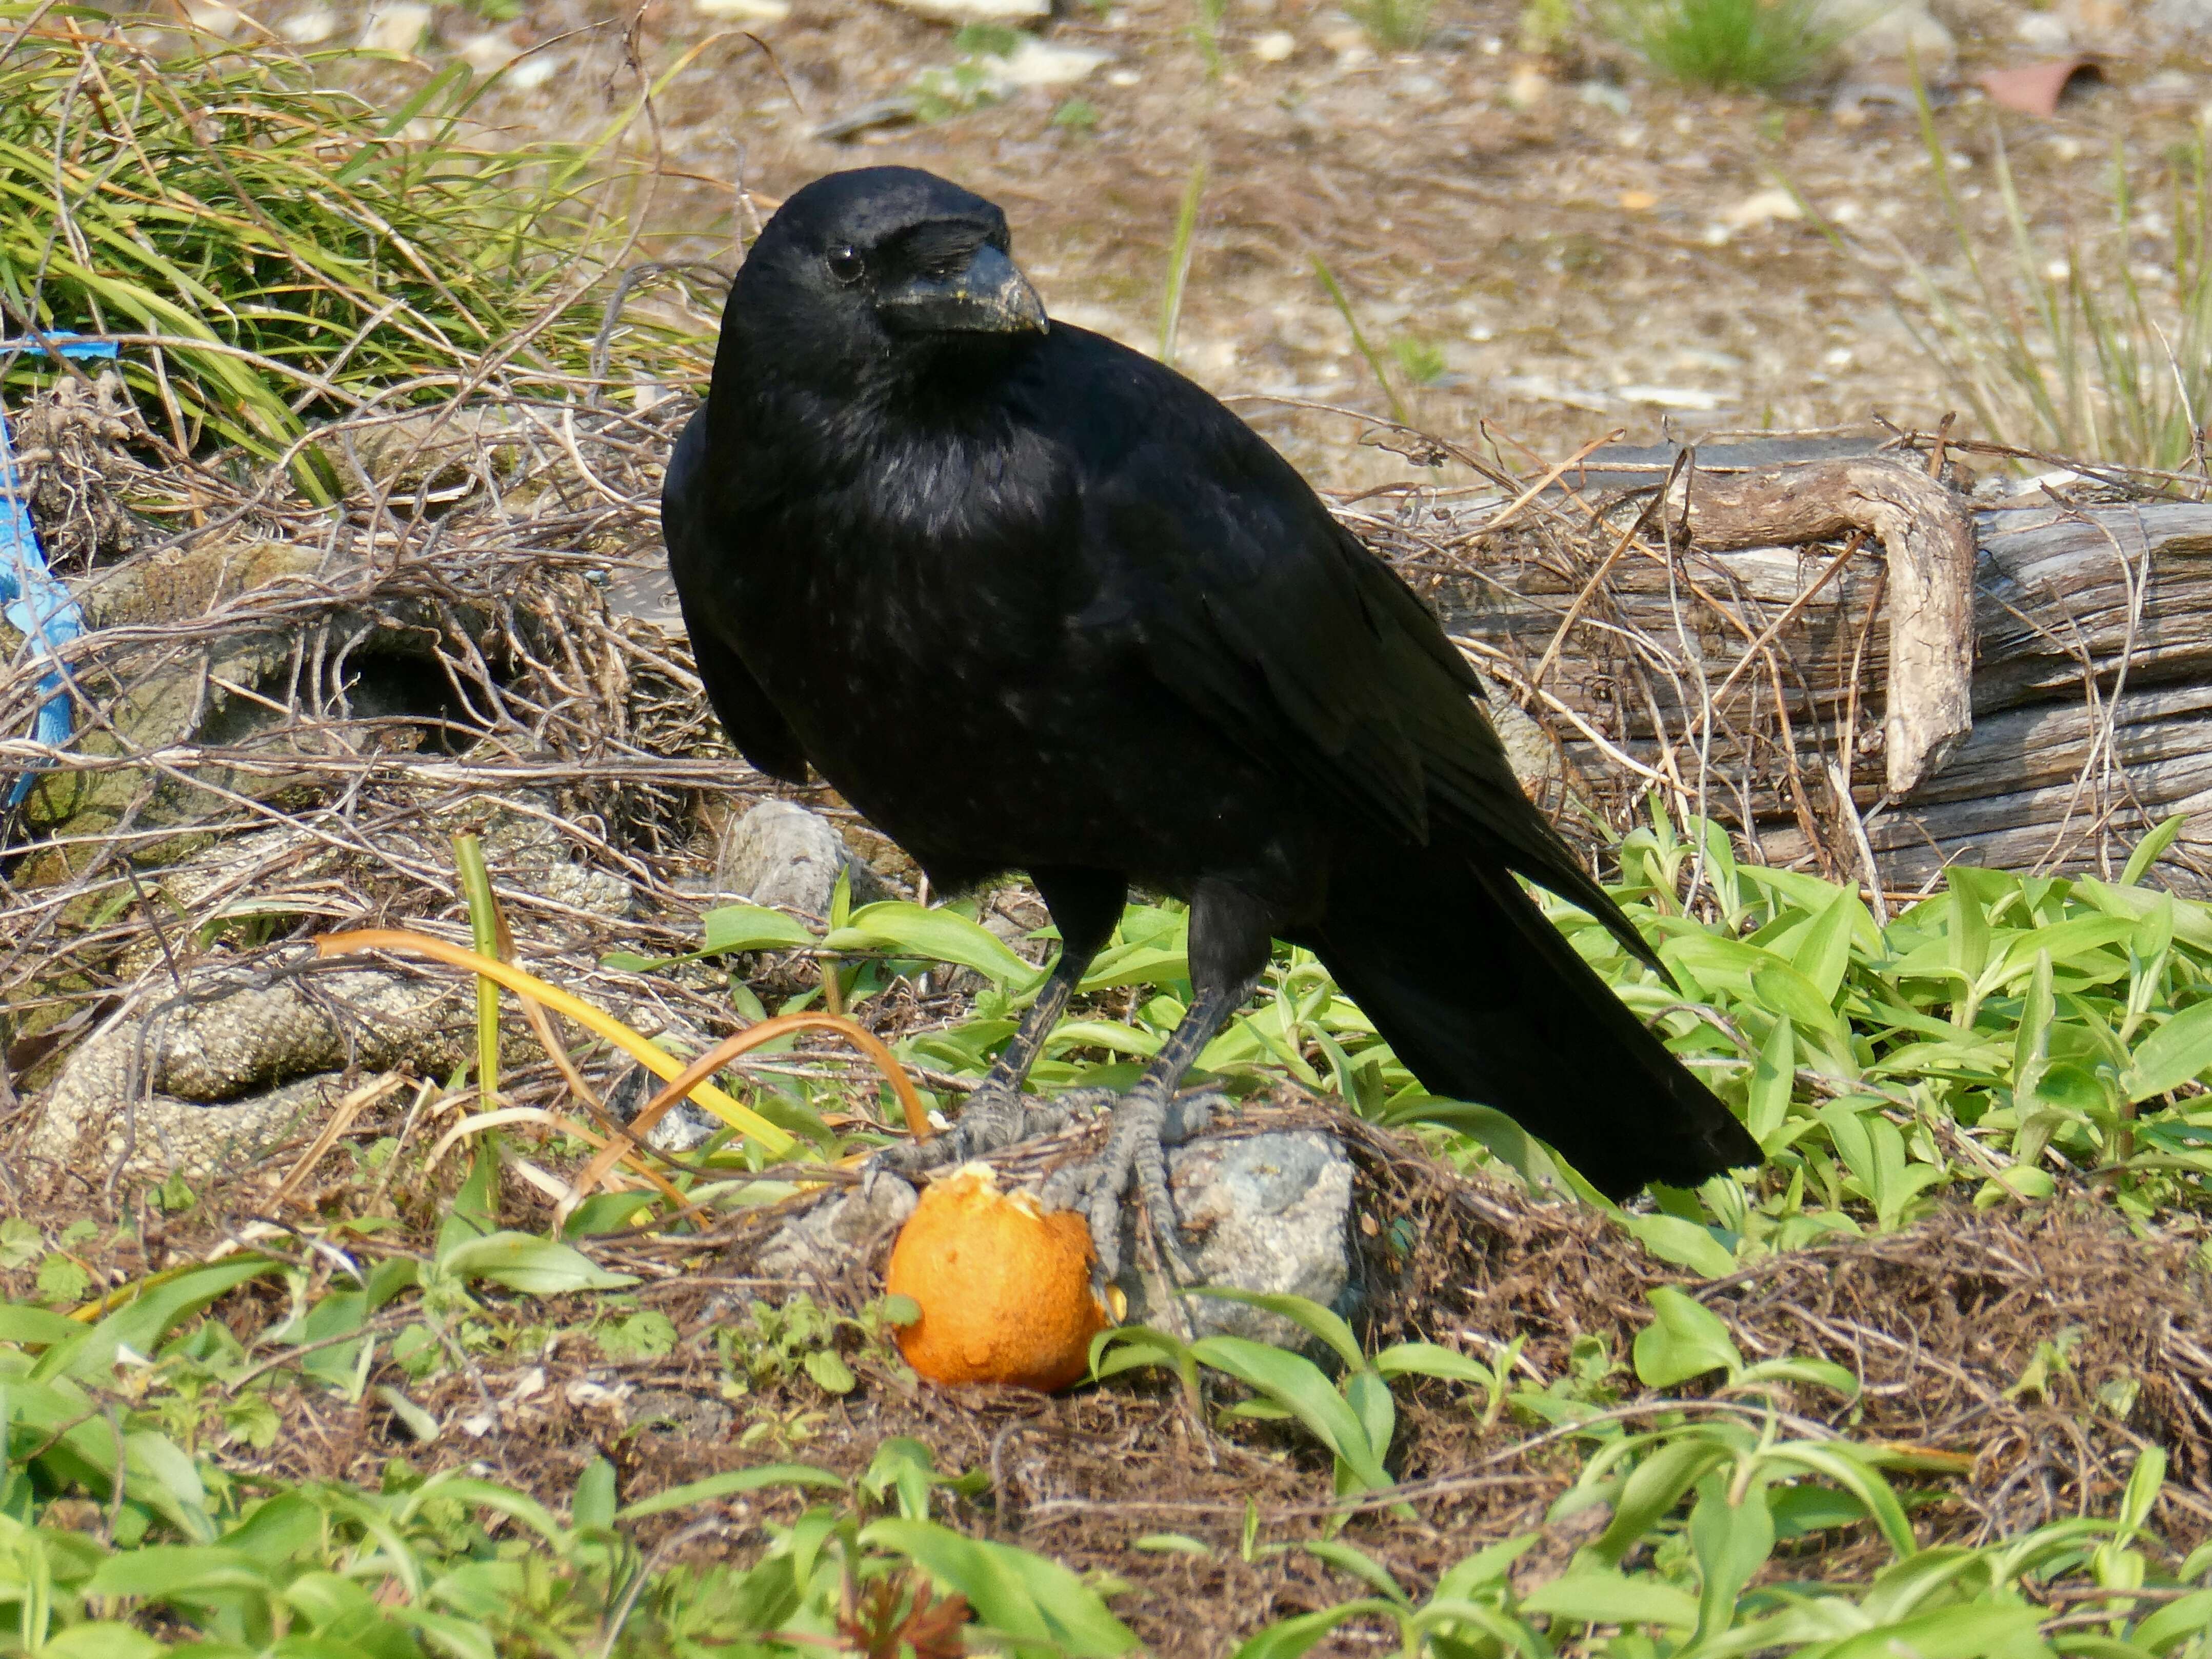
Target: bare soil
1581,245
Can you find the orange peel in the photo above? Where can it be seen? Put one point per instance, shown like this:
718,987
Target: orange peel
1003,1286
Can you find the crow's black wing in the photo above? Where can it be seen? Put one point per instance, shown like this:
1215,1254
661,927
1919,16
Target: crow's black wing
763,735
1290,637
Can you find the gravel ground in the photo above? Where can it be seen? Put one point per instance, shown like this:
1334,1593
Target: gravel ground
1557,243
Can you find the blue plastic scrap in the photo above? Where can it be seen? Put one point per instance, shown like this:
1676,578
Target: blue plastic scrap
35,603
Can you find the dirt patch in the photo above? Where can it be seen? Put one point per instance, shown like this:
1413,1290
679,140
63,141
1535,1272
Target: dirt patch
1552,240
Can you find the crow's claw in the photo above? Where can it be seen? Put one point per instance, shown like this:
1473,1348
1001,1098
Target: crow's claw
1146,1121
995,1117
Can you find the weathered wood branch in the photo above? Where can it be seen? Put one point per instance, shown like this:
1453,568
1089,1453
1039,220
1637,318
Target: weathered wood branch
1740,672
1927,535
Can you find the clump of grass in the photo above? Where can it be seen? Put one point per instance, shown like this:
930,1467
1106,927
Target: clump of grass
1763,45
1392,25
973,79
2068,347
272,249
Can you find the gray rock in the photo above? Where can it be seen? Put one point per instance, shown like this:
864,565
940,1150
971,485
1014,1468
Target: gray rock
1891,31
780,853
1262,1212
824,1238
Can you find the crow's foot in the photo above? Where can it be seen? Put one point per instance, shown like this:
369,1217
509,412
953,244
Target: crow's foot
997,1116
1147,1120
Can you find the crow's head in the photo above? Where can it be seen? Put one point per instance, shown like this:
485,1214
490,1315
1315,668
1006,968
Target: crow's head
877,266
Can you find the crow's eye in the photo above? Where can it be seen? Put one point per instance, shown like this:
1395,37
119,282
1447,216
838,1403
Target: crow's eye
846,263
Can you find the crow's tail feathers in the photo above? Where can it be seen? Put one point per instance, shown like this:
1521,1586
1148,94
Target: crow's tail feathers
1485,1001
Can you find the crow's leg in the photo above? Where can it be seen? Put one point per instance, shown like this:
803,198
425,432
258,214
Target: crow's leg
1085,904
1230,936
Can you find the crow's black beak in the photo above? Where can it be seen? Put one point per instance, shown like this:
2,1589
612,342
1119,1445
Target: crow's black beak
987,295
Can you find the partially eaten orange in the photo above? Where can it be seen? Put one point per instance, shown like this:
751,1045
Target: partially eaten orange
1004,1287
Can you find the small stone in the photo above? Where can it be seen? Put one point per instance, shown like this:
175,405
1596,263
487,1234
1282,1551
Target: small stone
2182,16
1042,63
1890,31
214,16
1762,208
488,52
1274,46
966,11
1528,87
397,28
780,853
1259,1213
828,1236
311,26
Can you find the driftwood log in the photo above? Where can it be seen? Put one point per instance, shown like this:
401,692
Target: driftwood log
1859,668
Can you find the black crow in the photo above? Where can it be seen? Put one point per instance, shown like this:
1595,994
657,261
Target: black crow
1032,601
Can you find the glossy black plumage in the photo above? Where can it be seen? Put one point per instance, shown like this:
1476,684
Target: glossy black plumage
1031,601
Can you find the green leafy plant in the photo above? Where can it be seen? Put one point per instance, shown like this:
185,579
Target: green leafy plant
972,80
1355,1417
1763,45
1421,361
1393,25
800,1336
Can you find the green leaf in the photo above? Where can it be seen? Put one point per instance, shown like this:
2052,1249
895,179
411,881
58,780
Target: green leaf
1287,1638
1596,1597
1684,1340
1368,1394
535,1266
474,1212
935,935
1772,1078
1685,1243
1319,1322
829,1371
2178,1051
905,1464
727,1484
63,1278
142,1324
1823,1372
1359,1564
593,1505
1126,1347
1732,1542
418,1423
1431,1359
102,1638
2150,848
1976,1630
1783,990
1824,954
36,1328
20,1242
1838,1463
1502,1138
1296,1384
1037,1604
1485,1566
1655,1485
731,928
2191,1615
165,1572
